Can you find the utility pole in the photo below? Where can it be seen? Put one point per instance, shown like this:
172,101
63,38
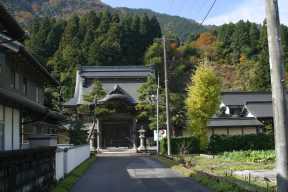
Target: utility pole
278,94
157,112
167,98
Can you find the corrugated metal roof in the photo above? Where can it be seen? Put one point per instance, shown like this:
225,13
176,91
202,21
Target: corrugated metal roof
233,122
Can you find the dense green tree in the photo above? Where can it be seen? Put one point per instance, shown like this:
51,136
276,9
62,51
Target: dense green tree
97,92
262,79
77,135
70,32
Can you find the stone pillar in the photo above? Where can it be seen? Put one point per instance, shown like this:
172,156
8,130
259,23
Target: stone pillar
134,137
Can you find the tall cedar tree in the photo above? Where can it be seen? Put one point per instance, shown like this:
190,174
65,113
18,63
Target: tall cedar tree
262,81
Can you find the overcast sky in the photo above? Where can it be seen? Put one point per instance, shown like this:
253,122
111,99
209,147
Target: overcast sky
223,12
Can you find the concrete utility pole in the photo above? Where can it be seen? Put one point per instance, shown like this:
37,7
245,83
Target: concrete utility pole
157,111
167,98
278,94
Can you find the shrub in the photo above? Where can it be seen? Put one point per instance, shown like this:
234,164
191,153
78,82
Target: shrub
181,145
240,142
250,156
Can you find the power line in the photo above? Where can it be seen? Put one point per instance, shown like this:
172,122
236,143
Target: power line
209,11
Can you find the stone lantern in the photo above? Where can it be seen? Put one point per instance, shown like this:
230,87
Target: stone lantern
142,138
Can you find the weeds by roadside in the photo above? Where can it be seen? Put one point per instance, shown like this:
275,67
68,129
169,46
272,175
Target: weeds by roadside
66,184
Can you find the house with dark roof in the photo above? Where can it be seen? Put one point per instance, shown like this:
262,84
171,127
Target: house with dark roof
22,83
242,113
121,83
27,127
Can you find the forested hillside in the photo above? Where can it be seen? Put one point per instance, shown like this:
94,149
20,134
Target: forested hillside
237,52
91,39
240,54
25,10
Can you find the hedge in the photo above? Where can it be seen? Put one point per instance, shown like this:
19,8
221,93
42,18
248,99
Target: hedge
181,145
218,144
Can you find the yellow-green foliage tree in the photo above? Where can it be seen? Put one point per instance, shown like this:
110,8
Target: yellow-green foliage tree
203,97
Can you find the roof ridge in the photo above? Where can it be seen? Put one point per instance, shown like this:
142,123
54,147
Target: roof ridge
233,118
246,92
248,102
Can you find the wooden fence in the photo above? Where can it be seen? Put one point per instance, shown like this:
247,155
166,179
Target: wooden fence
30,170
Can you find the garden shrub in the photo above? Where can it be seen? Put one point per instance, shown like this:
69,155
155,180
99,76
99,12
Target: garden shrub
222,143
250,156
181,145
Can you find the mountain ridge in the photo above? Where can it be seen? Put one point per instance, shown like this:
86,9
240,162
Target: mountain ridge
26,10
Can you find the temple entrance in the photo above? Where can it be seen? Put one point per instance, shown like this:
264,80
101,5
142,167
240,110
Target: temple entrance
117,133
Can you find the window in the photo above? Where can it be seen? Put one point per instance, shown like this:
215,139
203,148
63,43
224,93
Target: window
2,62
1,127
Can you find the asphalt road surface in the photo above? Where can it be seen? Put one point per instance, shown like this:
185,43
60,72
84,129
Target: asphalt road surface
133,174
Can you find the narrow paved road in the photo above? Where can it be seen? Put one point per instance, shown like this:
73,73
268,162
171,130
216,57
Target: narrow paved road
133,174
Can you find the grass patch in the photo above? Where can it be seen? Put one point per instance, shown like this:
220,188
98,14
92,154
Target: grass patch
211,172
66,184
208,181
250,156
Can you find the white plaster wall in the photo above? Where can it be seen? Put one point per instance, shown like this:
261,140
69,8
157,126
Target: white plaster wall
75,156
235,131
220,131
59,164
250,130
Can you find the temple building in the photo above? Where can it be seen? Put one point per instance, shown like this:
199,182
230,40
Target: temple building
121,84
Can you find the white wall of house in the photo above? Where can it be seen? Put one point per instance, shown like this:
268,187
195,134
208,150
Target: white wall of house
250,130
10,120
